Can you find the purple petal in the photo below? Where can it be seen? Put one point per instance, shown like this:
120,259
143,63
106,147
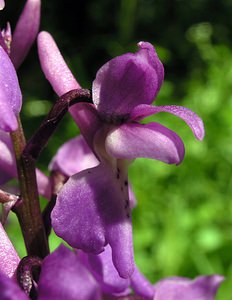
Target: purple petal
191,119
79,155
7,160
102,268
10,94
151,140
53,65
9,290
2,4
127,81
64,277
25,32
203,287
8,257
141,285
92,211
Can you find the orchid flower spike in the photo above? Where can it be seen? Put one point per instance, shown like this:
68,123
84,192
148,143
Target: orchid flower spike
10,94
25,31
93,208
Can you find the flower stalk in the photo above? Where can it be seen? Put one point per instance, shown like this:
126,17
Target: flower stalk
28,210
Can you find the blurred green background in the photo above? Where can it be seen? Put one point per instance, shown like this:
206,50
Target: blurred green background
183,220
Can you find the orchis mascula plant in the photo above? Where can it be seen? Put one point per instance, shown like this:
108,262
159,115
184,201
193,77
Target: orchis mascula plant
90,197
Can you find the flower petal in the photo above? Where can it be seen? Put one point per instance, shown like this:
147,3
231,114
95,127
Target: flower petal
73,156
8,257
191,118
102,268
9,290
203,287
53,65
64,277
90,213
127,81
10,94
25,32
151,140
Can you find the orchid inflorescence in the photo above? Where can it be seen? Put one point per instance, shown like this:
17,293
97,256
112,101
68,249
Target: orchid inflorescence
90,197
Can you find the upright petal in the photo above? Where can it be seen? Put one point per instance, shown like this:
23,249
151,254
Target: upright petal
64,277
10,94
203,287
127,81
152,140
25,32
73,157
53,65
91,211
9,290
191,118
9,259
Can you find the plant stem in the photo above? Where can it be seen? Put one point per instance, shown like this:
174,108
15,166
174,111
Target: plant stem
28,211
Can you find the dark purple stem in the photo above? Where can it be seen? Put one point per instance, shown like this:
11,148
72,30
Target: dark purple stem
28,210
40,139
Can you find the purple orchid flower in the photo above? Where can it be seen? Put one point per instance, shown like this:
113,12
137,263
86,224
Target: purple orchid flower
23,37
92,209
24,34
